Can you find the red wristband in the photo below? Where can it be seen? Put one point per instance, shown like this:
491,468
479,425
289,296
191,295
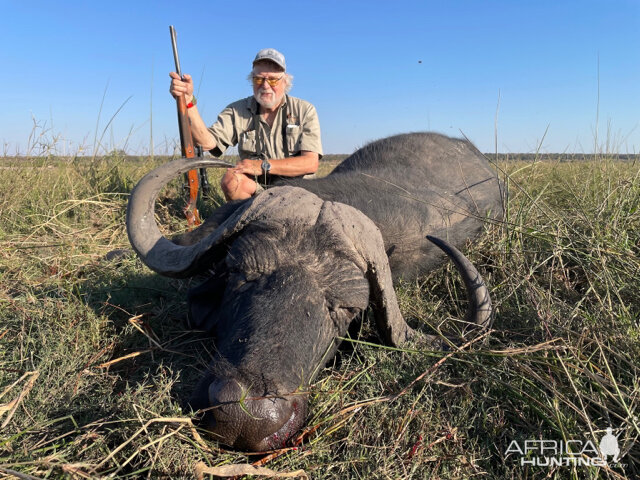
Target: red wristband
190,104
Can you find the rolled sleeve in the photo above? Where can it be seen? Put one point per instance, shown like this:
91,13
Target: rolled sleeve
224,131
310,138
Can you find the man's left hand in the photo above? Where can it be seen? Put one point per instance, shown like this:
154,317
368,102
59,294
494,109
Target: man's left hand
249,166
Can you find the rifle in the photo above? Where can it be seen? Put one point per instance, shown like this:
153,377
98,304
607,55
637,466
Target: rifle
186,145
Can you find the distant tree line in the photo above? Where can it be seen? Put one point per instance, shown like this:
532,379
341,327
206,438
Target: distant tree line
563,157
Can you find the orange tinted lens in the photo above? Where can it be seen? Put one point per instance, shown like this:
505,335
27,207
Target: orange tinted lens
260,80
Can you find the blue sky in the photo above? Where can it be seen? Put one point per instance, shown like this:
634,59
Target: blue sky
371,68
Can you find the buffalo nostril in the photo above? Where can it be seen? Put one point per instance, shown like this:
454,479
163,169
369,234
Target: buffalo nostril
292,425
223,391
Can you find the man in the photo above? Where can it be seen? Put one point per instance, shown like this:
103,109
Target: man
278,136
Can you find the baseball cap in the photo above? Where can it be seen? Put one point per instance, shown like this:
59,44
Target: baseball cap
272,55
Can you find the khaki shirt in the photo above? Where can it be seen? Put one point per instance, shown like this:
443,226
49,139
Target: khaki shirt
236,125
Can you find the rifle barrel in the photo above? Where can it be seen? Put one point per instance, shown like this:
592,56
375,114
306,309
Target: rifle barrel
175,49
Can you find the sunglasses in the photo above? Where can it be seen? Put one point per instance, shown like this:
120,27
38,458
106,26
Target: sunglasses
257,81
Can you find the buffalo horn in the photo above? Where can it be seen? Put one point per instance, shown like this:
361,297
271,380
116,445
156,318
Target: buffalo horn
479,311
157,252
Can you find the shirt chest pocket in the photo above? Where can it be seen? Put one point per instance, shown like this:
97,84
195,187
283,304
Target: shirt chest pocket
294,138
247,143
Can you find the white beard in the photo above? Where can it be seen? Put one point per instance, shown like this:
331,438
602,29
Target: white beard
275,101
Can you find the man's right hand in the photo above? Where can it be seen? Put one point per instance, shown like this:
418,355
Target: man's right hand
180,87
201,135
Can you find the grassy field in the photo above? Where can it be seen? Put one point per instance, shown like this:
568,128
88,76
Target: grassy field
95,360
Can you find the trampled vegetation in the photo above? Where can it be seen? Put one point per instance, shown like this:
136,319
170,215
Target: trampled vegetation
95,360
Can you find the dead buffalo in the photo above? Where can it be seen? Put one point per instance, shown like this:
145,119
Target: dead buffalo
289,269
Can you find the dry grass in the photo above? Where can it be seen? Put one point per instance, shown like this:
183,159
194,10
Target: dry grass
95,361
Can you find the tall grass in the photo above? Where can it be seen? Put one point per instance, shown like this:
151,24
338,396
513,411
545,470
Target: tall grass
95,360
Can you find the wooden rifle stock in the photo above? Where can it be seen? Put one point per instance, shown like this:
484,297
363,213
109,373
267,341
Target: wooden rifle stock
186,144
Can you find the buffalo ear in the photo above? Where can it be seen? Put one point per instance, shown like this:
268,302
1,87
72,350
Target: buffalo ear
363,240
